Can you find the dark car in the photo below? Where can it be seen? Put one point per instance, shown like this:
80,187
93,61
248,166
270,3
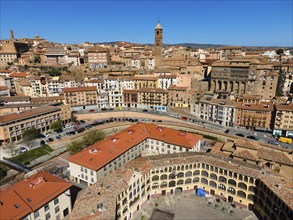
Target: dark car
104,109
240,135
145,110
111,109
50,140
251,137
82,121
42,142
88,126
273,142
80,130
58,138
227,131
42,136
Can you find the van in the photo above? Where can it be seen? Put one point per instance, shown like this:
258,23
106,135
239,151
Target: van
285,140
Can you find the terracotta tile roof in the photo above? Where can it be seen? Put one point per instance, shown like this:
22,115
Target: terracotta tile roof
44,99
130,91
80,89
16,98
150,90
174,87
284,107
245,154
31,194
168,76
147,78
2,88
256,106
246,144
98,155
25,114
19,75
5,71
275,156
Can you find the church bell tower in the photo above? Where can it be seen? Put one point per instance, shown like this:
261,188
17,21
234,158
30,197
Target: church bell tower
158,45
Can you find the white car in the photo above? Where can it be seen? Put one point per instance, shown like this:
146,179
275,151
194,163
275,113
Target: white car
22,150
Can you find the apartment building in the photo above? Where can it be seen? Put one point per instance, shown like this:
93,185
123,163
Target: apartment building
288,85
130,98
165,81
55,56
40,196
13,125
155,99
39,85
98,58
127,190
179,96
57,84
81,97
283,120
102,158
142,82
254,115
220,111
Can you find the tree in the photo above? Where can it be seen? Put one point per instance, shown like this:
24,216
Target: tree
36,59
93,137
29,135
279,51
75,146
281,82
73,117
56,125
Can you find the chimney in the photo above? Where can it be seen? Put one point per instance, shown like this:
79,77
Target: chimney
11,35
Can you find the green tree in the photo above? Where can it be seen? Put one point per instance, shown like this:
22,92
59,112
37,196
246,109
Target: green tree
36,59
93,137
56,125
279,51
29,135
73,117
75,146
281,82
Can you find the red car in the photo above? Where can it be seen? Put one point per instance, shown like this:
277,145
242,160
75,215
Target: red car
92,110
184,118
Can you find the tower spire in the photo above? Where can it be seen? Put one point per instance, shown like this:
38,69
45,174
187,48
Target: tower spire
11,34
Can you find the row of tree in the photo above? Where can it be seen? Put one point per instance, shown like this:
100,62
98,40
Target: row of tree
90,138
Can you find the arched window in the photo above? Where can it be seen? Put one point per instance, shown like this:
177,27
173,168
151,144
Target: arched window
188,181
196,179
204,173
250,197
181,174
189,173
222,179
213,184
179,182
242,186
251,188
155,186
164,177
241,194
213,176
232,182
222,187
204,181
196,172
164,184
231,190
172,183
155,178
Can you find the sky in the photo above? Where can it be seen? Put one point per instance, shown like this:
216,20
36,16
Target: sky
232,22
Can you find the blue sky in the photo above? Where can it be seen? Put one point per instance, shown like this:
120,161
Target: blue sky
245,23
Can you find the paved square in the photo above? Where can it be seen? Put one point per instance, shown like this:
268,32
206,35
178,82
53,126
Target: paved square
189,206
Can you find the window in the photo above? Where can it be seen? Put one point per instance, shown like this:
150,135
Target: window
46,207
65,212
81,169
57,209
56,201
36,214
92,173
48,216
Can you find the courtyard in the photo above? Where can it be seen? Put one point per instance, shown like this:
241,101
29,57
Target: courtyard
190,206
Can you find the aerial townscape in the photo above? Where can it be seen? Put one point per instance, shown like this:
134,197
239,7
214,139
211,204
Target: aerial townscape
122,130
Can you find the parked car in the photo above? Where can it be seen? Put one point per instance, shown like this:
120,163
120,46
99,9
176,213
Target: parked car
184,118
50,140
227,131
22,150
58,138
42,142
82,121
240,135
92,110
145,110
251,137
273,142
103,109
42,136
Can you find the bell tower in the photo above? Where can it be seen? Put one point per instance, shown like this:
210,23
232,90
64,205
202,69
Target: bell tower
158,45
